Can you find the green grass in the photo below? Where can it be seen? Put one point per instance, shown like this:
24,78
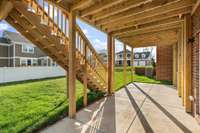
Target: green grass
27,106
31,105
119,80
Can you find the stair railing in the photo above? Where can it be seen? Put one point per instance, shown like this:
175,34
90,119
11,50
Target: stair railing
57,20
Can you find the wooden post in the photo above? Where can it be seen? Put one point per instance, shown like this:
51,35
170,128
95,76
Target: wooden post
174,65
179,73
188,62
132,63
67,84
182,64
124,62
85,77
72,65
111,59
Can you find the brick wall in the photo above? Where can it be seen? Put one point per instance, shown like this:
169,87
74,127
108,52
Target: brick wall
164,63
195,62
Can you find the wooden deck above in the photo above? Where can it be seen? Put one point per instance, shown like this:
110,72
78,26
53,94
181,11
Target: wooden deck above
131,20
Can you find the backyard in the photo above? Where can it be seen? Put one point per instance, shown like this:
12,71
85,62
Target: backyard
30,105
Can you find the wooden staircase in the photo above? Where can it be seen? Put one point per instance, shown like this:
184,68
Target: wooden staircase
46,26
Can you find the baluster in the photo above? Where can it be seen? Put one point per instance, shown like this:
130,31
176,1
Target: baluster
65,24
57,16
61,21
48,8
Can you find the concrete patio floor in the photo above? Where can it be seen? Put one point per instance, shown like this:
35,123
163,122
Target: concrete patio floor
137,108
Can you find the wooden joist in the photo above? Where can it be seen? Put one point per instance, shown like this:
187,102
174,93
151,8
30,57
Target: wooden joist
5,7
152,19
147,13
118,9
100,5
197,4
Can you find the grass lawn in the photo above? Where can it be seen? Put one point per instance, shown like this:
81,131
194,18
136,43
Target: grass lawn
28,106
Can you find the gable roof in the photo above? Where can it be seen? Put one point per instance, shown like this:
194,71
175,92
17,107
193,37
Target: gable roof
121,52
16,37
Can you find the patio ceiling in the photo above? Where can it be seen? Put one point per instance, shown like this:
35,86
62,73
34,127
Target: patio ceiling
135,22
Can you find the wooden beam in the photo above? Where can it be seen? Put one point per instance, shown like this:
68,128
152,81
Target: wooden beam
152,39
152,25
5,7
72,65
111,61
195,7
132,64
179,74
100,5
125,63
188,62
151,31
147,13
119,8
161,27
174,65
85,77
135,22
80,4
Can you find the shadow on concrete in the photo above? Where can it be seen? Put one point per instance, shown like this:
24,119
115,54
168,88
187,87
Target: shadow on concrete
99,118
170,116
139,114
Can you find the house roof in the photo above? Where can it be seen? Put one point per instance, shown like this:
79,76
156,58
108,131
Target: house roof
121,52
16,37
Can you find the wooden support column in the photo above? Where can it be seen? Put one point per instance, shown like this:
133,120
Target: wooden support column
72,65
85,77
174,65
187,62
180,65
111,62
132,64
124,62
5,7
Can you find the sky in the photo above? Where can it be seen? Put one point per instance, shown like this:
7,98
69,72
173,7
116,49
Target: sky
97,38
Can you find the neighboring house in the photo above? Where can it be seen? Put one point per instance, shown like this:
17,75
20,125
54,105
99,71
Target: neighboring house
140,58
17,51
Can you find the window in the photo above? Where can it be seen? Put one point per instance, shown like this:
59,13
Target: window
143,56
136,56
128,55
35,62
27,49
23,62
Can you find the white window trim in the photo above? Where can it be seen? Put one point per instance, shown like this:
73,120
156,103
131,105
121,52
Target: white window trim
27,51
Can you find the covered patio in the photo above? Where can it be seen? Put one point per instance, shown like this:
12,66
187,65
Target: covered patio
171,25
137,108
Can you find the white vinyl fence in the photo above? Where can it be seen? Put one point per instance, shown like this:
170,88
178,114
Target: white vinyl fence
9,74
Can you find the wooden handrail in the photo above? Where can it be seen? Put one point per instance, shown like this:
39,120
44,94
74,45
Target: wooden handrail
95,63
90,45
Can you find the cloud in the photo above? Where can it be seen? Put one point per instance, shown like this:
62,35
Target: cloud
98,44
3,26
85,31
